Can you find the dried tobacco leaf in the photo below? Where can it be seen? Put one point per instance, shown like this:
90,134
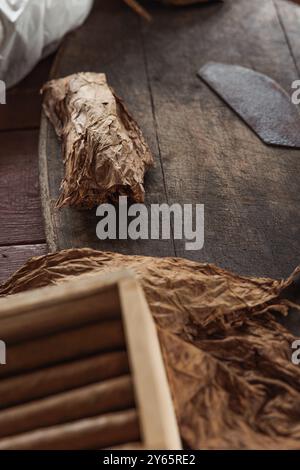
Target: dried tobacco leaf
227,357
105,154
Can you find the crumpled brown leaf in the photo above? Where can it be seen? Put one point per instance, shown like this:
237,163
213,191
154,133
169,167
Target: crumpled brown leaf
228,358
105,154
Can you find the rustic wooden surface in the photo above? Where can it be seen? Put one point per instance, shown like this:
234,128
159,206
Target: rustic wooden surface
22,233
156,85
204,153
20,212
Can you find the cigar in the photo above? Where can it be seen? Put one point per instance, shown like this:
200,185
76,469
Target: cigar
92,400
67,345
93,433
129,446
62,377
33,323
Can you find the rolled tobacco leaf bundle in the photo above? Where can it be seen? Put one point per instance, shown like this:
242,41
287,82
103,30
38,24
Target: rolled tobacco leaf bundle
104,152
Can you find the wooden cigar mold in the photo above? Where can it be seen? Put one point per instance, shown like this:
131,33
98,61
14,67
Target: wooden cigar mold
84,369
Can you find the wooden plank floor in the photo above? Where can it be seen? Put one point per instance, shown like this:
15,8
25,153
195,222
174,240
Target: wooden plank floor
21,224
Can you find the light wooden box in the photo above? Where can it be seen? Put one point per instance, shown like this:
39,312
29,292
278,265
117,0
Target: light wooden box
54,333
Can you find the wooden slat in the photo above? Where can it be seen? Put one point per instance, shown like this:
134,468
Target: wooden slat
207,155
13,257
20,212
154,400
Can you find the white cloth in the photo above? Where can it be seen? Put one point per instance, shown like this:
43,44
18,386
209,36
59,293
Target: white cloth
30,29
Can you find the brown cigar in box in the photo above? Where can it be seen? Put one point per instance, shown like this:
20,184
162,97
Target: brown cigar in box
82,408
92,400
60,347
62,377
92,433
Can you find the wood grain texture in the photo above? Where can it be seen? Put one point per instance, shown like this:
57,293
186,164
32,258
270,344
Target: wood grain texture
13,257
205,154
20,208
156,410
